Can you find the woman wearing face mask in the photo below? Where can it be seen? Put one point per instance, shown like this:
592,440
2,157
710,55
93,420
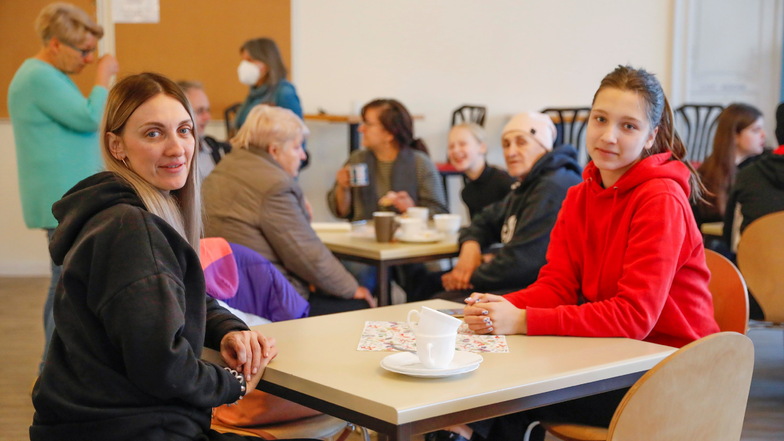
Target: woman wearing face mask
262,69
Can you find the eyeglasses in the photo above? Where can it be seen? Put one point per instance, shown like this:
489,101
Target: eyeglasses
83,52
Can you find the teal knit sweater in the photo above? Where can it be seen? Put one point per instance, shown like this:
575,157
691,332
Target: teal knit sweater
55,131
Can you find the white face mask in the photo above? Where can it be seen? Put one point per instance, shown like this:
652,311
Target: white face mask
248,73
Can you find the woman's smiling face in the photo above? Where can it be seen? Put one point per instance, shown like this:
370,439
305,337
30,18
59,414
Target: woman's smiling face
157,142
618,132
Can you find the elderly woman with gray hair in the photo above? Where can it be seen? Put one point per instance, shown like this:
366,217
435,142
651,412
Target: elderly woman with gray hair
252,198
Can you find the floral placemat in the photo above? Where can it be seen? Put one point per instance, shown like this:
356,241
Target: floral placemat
396,336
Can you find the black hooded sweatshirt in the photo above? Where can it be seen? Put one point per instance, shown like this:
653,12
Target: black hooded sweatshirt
522,222
132,318
758,190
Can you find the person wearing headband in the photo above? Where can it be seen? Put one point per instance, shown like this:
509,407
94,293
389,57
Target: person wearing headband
521,222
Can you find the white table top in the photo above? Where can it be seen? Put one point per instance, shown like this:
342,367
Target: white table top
318,357
363,245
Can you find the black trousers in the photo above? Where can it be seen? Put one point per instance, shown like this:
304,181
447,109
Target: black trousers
595,410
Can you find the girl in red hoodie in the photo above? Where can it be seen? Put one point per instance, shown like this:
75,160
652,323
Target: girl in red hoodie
625,258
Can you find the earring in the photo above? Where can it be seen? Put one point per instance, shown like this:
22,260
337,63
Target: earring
125,163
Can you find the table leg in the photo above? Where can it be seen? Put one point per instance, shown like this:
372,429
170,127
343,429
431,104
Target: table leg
384,294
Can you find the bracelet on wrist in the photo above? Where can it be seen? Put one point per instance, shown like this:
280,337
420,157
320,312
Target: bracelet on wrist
241,379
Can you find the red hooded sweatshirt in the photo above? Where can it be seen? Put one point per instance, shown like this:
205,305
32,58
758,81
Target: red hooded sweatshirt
626,261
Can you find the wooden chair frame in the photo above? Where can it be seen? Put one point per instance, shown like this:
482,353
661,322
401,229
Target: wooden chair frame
699,393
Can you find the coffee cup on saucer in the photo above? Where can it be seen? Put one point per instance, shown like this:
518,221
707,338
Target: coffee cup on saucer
447,223
436,351
418,213
428,321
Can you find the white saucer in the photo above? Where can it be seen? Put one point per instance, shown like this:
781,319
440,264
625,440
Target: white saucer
426,236
408,363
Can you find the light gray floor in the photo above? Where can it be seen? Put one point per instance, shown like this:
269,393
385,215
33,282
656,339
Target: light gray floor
765,411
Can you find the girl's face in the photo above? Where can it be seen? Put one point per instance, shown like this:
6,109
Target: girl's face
465,152
157,143
374,135
618,132
751,140
521,151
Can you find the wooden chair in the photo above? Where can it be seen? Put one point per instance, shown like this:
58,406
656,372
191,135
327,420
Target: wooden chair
760,259
570,124
469,113
323,427
698,393
228,118
696,124
730,296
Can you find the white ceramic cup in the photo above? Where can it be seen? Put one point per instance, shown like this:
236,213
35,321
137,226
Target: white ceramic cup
447,223
428,321
436,351
418,213
410,227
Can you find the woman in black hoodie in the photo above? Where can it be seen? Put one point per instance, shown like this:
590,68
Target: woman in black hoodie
131,312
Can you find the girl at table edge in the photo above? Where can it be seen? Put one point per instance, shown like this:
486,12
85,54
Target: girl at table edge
388,134
483,184
131,308
626,258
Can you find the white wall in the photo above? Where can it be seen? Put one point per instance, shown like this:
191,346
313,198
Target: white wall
22,251
510,55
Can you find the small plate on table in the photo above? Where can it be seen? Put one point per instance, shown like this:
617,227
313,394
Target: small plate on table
407,363
425,236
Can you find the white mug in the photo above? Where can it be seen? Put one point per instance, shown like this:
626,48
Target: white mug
418,213
410,227
432,322
436,351
358,175
447,223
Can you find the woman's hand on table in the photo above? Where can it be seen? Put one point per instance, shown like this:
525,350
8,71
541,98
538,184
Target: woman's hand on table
400,200
248,352
365,294
493,314
403,201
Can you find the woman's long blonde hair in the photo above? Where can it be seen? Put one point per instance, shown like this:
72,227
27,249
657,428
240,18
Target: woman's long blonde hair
180,208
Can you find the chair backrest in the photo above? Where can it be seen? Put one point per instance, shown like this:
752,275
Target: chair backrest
730,296
570,124
761,261
228,118
697,393
696,125
469,113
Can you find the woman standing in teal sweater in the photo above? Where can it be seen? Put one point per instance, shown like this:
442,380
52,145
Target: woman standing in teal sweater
54,124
